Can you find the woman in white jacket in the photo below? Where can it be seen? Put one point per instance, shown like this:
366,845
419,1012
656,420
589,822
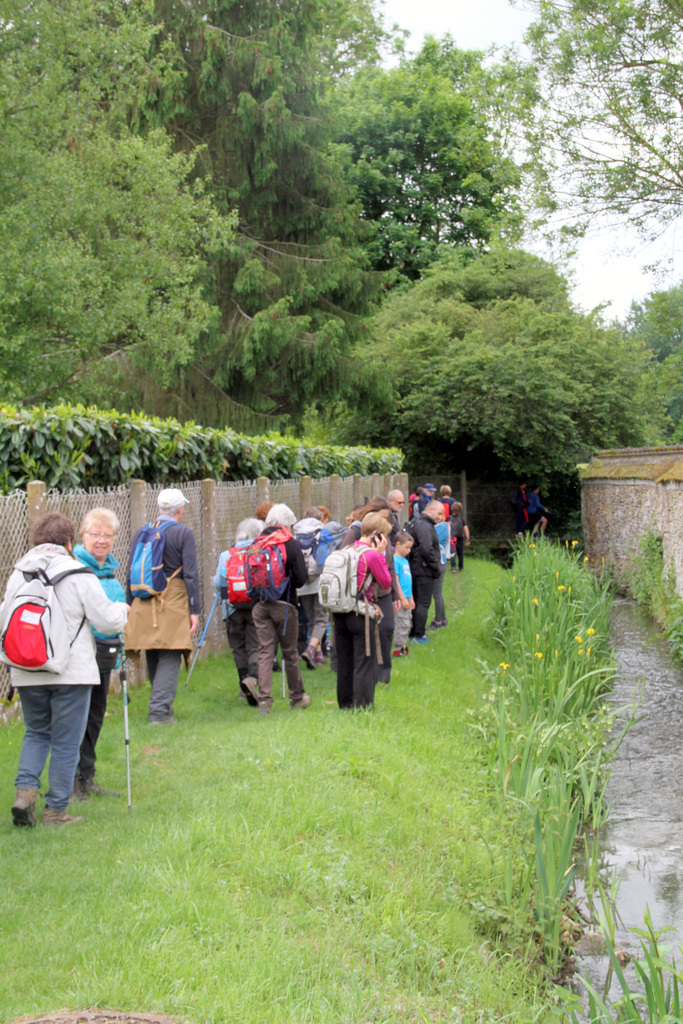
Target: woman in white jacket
55,706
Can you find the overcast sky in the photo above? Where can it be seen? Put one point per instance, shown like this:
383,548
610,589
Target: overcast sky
610,263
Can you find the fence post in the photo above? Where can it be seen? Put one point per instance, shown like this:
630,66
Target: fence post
463,493
357,489
209,561
387,484
262,489
138,518
403,484
35,501
335,498
306,492
376,485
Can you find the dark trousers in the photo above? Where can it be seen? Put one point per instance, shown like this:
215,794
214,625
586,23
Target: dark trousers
460,552
243,642
163,668
107,655
98,706
356,671
423,588
386,635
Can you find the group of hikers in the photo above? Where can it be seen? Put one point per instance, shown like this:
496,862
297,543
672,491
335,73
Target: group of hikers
309,588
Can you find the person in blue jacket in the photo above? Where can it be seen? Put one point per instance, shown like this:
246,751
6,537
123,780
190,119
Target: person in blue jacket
98,532
538,520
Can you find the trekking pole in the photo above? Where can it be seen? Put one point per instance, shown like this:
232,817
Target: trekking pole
126,701
199,647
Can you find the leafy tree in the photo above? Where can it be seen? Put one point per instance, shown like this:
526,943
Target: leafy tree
249,84
613,79
431,144
103,236
658,323
495,372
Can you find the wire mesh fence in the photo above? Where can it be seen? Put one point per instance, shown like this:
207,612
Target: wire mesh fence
212,513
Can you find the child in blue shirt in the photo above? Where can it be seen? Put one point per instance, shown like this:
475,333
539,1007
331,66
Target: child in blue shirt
403,616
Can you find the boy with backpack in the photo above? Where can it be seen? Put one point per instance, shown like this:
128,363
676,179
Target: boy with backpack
275,567
231,581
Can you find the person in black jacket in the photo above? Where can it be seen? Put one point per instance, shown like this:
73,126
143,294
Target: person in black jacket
425,566
279,620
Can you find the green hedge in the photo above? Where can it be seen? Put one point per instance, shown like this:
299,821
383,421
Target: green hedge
73,446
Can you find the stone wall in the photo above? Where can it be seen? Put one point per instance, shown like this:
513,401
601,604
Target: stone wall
625,493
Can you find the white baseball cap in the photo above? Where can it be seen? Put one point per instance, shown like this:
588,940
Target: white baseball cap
171,497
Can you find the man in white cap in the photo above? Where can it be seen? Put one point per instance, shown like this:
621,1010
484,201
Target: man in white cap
163,626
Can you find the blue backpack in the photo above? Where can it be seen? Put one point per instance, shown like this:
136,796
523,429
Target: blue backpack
147,577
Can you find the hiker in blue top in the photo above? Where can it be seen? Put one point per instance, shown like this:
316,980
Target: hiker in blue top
98,532
538,519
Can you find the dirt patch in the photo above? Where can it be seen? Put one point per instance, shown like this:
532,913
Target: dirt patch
98,1017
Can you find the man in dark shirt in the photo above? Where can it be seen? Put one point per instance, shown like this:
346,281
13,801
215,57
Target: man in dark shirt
279,620
425,565
163,627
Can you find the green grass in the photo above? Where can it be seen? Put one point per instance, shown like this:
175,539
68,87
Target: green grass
311,866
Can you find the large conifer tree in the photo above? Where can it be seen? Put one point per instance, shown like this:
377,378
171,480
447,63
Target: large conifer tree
248,81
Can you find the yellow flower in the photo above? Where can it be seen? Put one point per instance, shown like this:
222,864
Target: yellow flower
569,591
561,587
588,650
580,650
556,652
574,543
504,665
579,639
538,654
534,600
532,545
586,558
590,631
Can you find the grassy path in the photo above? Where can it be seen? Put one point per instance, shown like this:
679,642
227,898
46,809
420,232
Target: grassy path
310,866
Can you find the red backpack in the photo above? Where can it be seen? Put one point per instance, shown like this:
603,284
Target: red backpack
266,566
234,577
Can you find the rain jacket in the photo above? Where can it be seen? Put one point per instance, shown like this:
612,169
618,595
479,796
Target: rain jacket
80,596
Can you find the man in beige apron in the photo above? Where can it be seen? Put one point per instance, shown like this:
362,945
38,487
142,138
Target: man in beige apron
163,626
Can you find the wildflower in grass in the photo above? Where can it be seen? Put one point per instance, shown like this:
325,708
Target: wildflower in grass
532,545
556,652
590,631
579,639
534,600
504,665
586,558
538,654
574,543
588,650
561,587
580,650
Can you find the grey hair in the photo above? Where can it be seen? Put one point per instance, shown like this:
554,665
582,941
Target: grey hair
280,515
248,529
391,496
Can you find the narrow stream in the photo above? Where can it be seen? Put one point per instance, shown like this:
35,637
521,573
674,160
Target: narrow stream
643,838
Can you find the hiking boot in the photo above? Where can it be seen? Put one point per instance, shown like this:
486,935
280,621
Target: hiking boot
89,786
51,817
420,640
251,685
436,624
301,702
319,657
309,657
79,792
171,720
24,807
264,709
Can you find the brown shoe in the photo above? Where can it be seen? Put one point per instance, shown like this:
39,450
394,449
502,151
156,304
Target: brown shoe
251,684
302,702
51,817
24,807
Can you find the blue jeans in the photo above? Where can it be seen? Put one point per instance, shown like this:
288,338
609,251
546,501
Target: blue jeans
55,718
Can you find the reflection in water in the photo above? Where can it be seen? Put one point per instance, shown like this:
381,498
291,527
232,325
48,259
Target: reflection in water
643,838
